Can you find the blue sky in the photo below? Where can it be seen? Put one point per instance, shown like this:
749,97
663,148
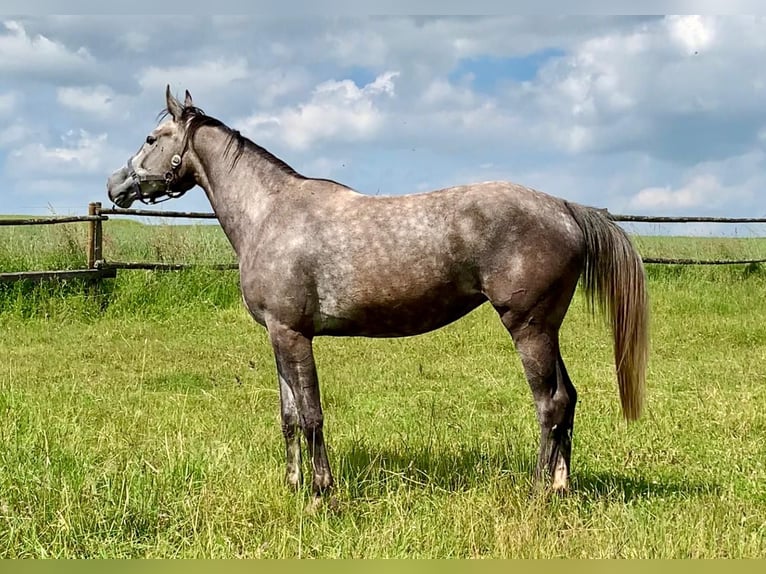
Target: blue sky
639,115
485,72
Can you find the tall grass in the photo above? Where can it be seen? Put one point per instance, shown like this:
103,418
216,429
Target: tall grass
133,292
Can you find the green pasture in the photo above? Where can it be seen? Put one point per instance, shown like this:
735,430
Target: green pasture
139,418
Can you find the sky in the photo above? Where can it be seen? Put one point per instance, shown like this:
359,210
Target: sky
641,115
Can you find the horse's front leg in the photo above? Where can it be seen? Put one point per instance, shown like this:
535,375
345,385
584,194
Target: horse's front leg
290,431
295,362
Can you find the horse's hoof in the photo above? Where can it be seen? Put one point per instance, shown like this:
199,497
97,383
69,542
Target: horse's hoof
294,484
318,502
560,487
313,506
333,504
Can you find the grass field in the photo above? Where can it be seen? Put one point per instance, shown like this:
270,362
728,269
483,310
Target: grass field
140,419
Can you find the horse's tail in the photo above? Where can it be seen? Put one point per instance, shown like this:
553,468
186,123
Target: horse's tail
613,278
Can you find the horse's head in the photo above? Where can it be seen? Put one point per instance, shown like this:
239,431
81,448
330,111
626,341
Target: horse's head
158,169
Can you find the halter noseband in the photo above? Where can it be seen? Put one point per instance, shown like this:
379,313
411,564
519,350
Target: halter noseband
151,197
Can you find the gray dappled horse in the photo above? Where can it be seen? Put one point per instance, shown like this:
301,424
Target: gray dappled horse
318,258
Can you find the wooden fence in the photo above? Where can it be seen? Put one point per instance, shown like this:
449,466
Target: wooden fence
98,267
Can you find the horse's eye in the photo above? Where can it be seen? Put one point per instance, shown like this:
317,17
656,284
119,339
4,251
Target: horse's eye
150,139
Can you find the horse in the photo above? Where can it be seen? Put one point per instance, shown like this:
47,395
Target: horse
318,258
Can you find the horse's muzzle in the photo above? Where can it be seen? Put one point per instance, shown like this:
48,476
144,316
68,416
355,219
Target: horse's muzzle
121,188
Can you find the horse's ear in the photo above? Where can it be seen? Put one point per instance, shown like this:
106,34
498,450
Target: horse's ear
174,106
188,100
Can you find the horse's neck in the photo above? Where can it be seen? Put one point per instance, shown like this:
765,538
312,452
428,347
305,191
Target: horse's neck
242,196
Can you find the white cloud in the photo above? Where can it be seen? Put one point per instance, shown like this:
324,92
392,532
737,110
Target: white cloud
98,100
427,46
7,103
693,33
20,52
645,88
337,109
81,153
225,83
732,186
441,92
267,86
14,133
358,47
205,77
700,191
135,41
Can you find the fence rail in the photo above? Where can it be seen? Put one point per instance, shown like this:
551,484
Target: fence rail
154,213
664,219
61,275
51,220
671,261
98,267
150,266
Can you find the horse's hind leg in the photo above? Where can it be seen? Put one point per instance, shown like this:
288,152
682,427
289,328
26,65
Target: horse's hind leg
562,468
555,396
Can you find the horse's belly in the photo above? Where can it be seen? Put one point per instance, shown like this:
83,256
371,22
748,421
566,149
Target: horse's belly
396,316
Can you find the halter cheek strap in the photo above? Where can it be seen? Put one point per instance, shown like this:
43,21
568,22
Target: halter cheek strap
150,196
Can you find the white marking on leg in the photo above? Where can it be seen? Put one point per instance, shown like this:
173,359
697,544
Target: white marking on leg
560,475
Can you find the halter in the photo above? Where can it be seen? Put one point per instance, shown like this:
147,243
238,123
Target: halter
151,197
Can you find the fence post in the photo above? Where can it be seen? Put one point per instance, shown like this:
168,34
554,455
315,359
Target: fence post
91,236
98,236
95,235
